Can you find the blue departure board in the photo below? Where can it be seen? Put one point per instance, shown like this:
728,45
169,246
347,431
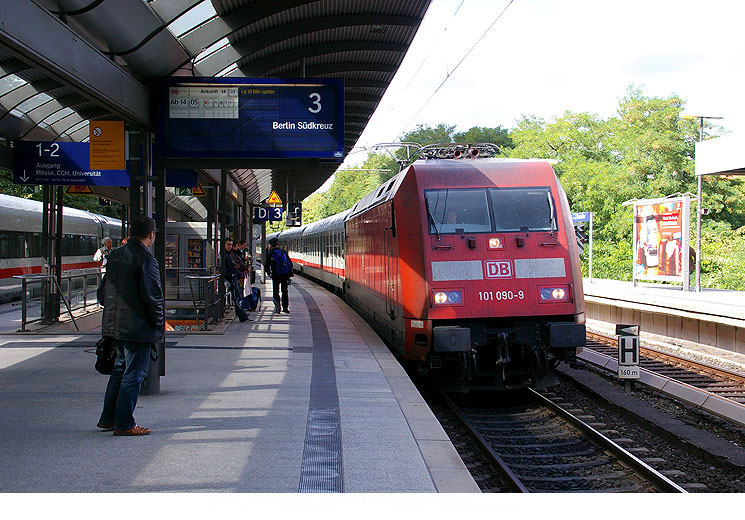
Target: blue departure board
251,118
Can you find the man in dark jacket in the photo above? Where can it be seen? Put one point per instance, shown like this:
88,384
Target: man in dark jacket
279,267
134,317
231,271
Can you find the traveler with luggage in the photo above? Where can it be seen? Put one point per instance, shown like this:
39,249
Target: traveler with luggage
279,267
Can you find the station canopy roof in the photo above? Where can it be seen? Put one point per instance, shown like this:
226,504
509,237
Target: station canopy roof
64,63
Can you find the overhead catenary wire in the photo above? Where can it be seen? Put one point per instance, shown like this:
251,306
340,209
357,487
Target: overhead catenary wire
432,49
447,76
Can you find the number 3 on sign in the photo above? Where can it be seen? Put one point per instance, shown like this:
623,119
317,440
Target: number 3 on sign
316,97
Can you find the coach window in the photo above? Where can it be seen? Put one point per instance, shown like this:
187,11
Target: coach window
34,244
90,245
68,245
523,209
12,244
21,245
457,211
5,245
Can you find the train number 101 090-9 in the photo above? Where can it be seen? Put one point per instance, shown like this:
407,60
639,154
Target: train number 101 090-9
486,296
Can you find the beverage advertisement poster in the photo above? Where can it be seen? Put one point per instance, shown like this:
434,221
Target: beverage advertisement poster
661,244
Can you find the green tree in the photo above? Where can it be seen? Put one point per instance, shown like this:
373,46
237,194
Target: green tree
425,134
312,207
645,151
481,134
349,186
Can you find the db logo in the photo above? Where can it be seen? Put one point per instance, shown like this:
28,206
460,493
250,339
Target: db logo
498,268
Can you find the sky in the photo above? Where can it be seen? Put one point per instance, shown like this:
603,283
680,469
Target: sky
544,57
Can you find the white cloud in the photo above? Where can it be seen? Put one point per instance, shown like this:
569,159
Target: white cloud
547,56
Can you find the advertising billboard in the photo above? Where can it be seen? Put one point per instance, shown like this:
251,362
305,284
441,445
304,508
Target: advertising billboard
251,118
661,239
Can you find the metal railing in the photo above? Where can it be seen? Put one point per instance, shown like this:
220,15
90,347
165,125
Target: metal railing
177,285
207,298
76,289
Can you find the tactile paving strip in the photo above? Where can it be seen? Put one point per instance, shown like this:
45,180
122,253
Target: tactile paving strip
321,470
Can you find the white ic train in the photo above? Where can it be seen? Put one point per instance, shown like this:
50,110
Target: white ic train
20,240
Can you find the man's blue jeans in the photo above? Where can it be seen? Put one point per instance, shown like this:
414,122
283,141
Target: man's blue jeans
130,368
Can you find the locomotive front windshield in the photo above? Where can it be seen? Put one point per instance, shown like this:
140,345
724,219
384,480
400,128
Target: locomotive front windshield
523,209
483,210
458,211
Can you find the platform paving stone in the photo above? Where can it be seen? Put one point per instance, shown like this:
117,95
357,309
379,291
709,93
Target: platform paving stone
231,416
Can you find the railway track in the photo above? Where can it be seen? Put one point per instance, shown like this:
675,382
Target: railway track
706,377
537,446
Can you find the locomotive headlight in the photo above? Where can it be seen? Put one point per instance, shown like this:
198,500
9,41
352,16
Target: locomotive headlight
554,294
448,298
496,243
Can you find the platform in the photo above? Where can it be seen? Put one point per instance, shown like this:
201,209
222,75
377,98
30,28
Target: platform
307,402
710,318
718,302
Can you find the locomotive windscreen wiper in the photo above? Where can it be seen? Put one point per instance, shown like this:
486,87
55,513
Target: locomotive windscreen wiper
552,215
432,220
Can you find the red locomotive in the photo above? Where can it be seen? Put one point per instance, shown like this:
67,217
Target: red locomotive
468,268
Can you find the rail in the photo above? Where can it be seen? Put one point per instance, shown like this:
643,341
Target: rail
657,479
532,436
509,477
207,298
76,289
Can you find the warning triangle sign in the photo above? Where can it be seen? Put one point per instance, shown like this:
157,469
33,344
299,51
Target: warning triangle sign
79,190
198,191
274,198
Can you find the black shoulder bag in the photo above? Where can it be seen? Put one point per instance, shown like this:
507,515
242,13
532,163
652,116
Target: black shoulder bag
105,355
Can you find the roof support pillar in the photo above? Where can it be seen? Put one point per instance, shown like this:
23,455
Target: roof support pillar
155,185
222,205
244,217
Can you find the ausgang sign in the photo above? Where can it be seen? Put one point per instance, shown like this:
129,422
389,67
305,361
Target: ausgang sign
60,163
251,118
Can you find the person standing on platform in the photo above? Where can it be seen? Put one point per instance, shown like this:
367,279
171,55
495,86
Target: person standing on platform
243,267
248,260
102,254
241,249
232,275
280,269
134,316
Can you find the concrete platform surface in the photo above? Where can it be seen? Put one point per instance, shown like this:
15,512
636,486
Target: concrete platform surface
716,302
307,402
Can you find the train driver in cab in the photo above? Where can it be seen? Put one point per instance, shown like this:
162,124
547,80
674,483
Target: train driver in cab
451,217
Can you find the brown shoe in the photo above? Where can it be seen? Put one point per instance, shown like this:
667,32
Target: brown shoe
136,430
104,426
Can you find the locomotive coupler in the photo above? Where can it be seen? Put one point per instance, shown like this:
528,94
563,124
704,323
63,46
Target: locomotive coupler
503,353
